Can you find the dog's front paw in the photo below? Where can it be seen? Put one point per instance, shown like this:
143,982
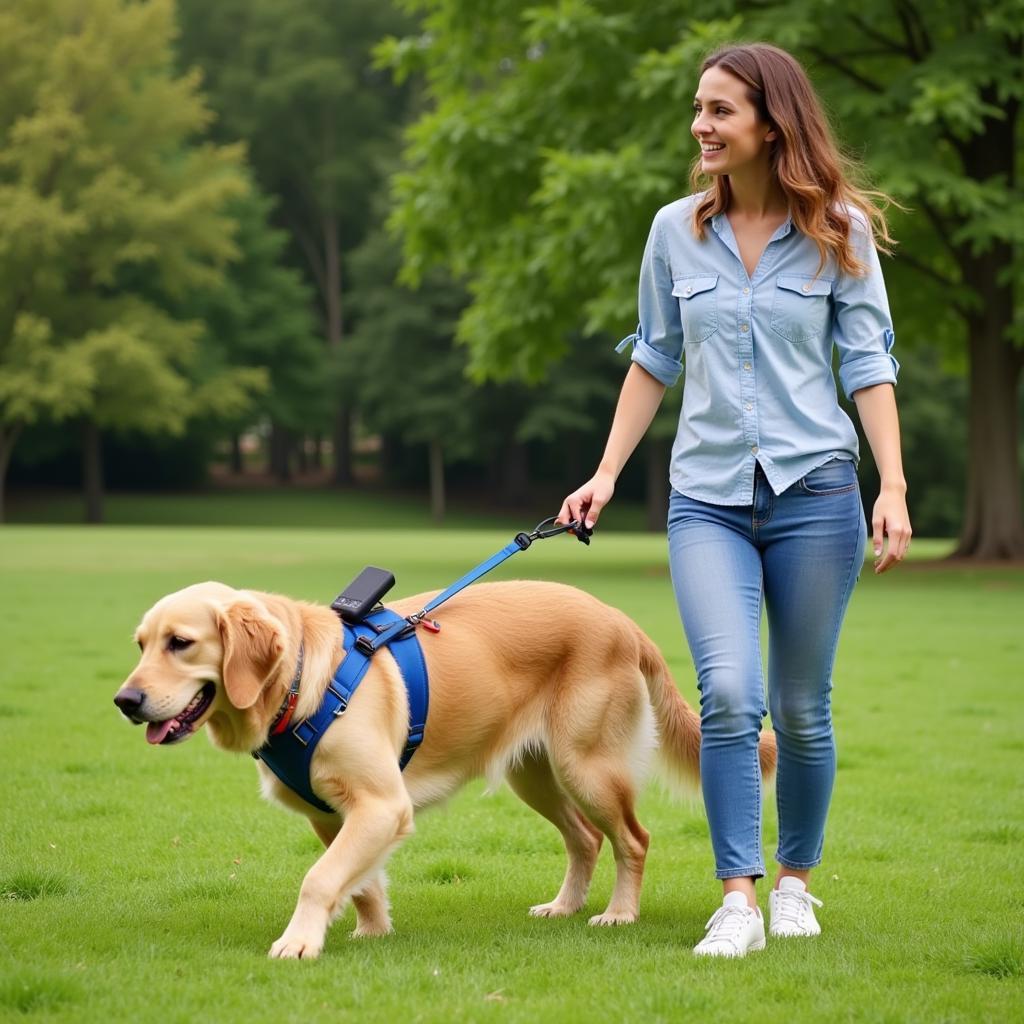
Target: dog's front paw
610,917
295,947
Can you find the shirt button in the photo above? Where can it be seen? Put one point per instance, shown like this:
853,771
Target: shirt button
748,407
687,290
807,288
746,291
753,448
744,327
746,366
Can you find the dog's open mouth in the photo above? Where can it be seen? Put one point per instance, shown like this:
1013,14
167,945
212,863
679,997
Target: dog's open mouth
174,730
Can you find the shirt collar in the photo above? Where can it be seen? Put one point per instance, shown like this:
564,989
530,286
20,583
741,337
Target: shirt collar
719,224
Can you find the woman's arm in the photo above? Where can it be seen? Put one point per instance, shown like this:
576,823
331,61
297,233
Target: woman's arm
638,402
876,407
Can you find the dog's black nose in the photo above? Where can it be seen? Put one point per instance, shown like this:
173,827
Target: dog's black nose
129,700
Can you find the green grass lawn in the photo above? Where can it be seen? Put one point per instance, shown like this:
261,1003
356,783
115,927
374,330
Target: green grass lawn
139,884
315,507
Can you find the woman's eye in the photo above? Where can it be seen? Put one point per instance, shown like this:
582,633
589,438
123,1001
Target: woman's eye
179,643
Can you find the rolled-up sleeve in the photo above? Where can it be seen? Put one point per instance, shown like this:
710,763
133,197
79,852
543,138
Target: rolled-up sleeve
658,341
863,325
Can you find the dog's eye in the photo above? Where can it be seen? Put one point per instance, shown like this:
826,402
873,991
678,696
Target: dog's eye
179,643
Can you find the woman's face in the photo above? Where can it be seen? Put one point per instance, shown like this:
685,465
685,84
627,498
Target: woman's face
727,126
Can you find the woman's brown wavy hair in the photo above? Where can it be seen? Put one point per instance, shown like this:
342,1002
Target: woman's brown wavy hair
815,176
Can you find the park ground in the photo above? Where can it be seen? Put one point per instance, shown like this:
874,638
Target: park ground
147,885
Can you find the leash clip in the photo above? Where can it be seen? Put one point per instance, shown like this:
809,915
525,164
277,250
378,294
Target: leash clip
543,530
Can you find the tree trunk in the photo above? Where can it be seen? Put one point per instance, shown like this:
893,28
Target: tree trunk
280,443
342,444
993,525
437,496
8,439
237,465
302,454
657,485
515,475
92,471
318,451
335,333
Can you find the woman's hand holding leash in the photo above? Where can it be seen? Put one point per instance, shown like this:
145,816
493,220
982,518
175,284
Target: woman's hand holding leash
586,502
638,402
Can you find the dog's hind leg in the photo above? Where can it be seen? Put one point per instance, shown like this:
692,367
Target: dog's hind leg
373,912
534,783
603,790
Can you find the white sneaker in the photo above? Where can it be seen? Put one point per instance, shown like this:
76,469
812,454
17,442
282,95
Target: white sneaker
790,909
735,929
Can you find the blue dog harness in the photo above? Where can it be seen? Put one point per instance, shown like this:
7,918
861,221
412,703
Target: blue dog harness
288,754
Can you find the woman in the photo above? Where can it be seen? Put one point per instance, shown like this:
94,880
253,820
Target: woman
751,283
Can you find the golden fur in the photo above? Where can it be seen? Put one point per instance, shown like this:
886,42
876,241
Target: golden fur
537,683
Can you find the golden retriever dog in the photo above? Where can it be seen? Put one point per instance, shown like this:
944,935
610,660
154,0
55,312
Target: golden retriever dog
536,683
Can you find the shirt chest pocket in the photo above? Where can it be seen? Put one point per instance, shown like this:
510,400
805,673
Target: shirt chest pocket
801,308
698,306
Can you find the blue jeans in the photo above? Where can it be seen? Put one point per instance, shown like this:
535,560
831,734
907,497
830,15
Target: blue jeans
800,553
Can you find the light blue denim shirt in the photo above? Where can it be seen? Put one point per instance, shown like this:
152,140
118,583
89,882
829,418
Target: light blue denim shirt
759,386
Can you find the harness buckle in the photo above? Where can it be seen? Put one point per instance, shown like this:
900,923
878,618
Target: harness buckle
341,698
364,645
295,732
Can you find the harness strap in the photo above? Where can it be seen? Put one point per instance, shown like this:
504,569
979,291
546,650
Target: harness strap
289,754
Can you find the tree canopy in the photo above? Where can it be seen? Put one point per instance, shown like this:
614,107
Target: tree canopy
110,208
554,131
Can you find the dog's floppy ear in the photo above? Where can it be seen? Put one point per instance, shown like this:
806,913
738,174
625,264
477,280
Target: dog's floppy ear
253,648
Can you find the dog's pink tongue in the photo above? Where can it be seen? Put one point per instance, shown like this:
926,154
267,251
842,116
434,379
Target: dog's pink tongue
156,732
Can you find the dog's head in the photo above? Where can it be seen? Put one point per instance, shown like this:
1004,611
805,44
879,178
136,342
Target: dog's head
208,654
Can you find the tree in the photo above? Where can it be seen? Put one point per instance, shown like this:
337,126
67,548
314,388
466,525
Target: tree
261,315
412,380
414,383
108,209
295,82
554,132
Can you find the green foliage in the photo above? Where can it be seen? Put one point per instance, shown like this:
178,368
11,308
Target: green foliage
109,210
294,82
411,380
556,130
259,331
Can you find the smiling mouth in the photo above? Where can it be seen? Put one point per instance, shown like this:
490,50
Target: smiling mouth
712,147
182,725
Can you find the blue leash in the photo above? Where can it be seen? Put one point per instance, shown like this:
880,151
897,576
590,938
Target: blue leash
520,542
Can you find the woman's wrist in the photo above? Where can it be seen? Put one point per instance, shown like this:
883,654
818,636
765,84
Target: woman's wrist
894,485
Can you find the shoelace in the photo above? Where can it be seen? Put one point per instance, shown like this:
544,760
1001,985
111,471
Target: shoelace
725,924
790,906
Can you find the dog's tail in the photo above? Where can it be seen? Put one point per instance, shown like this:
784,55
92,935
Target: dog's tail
679,724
